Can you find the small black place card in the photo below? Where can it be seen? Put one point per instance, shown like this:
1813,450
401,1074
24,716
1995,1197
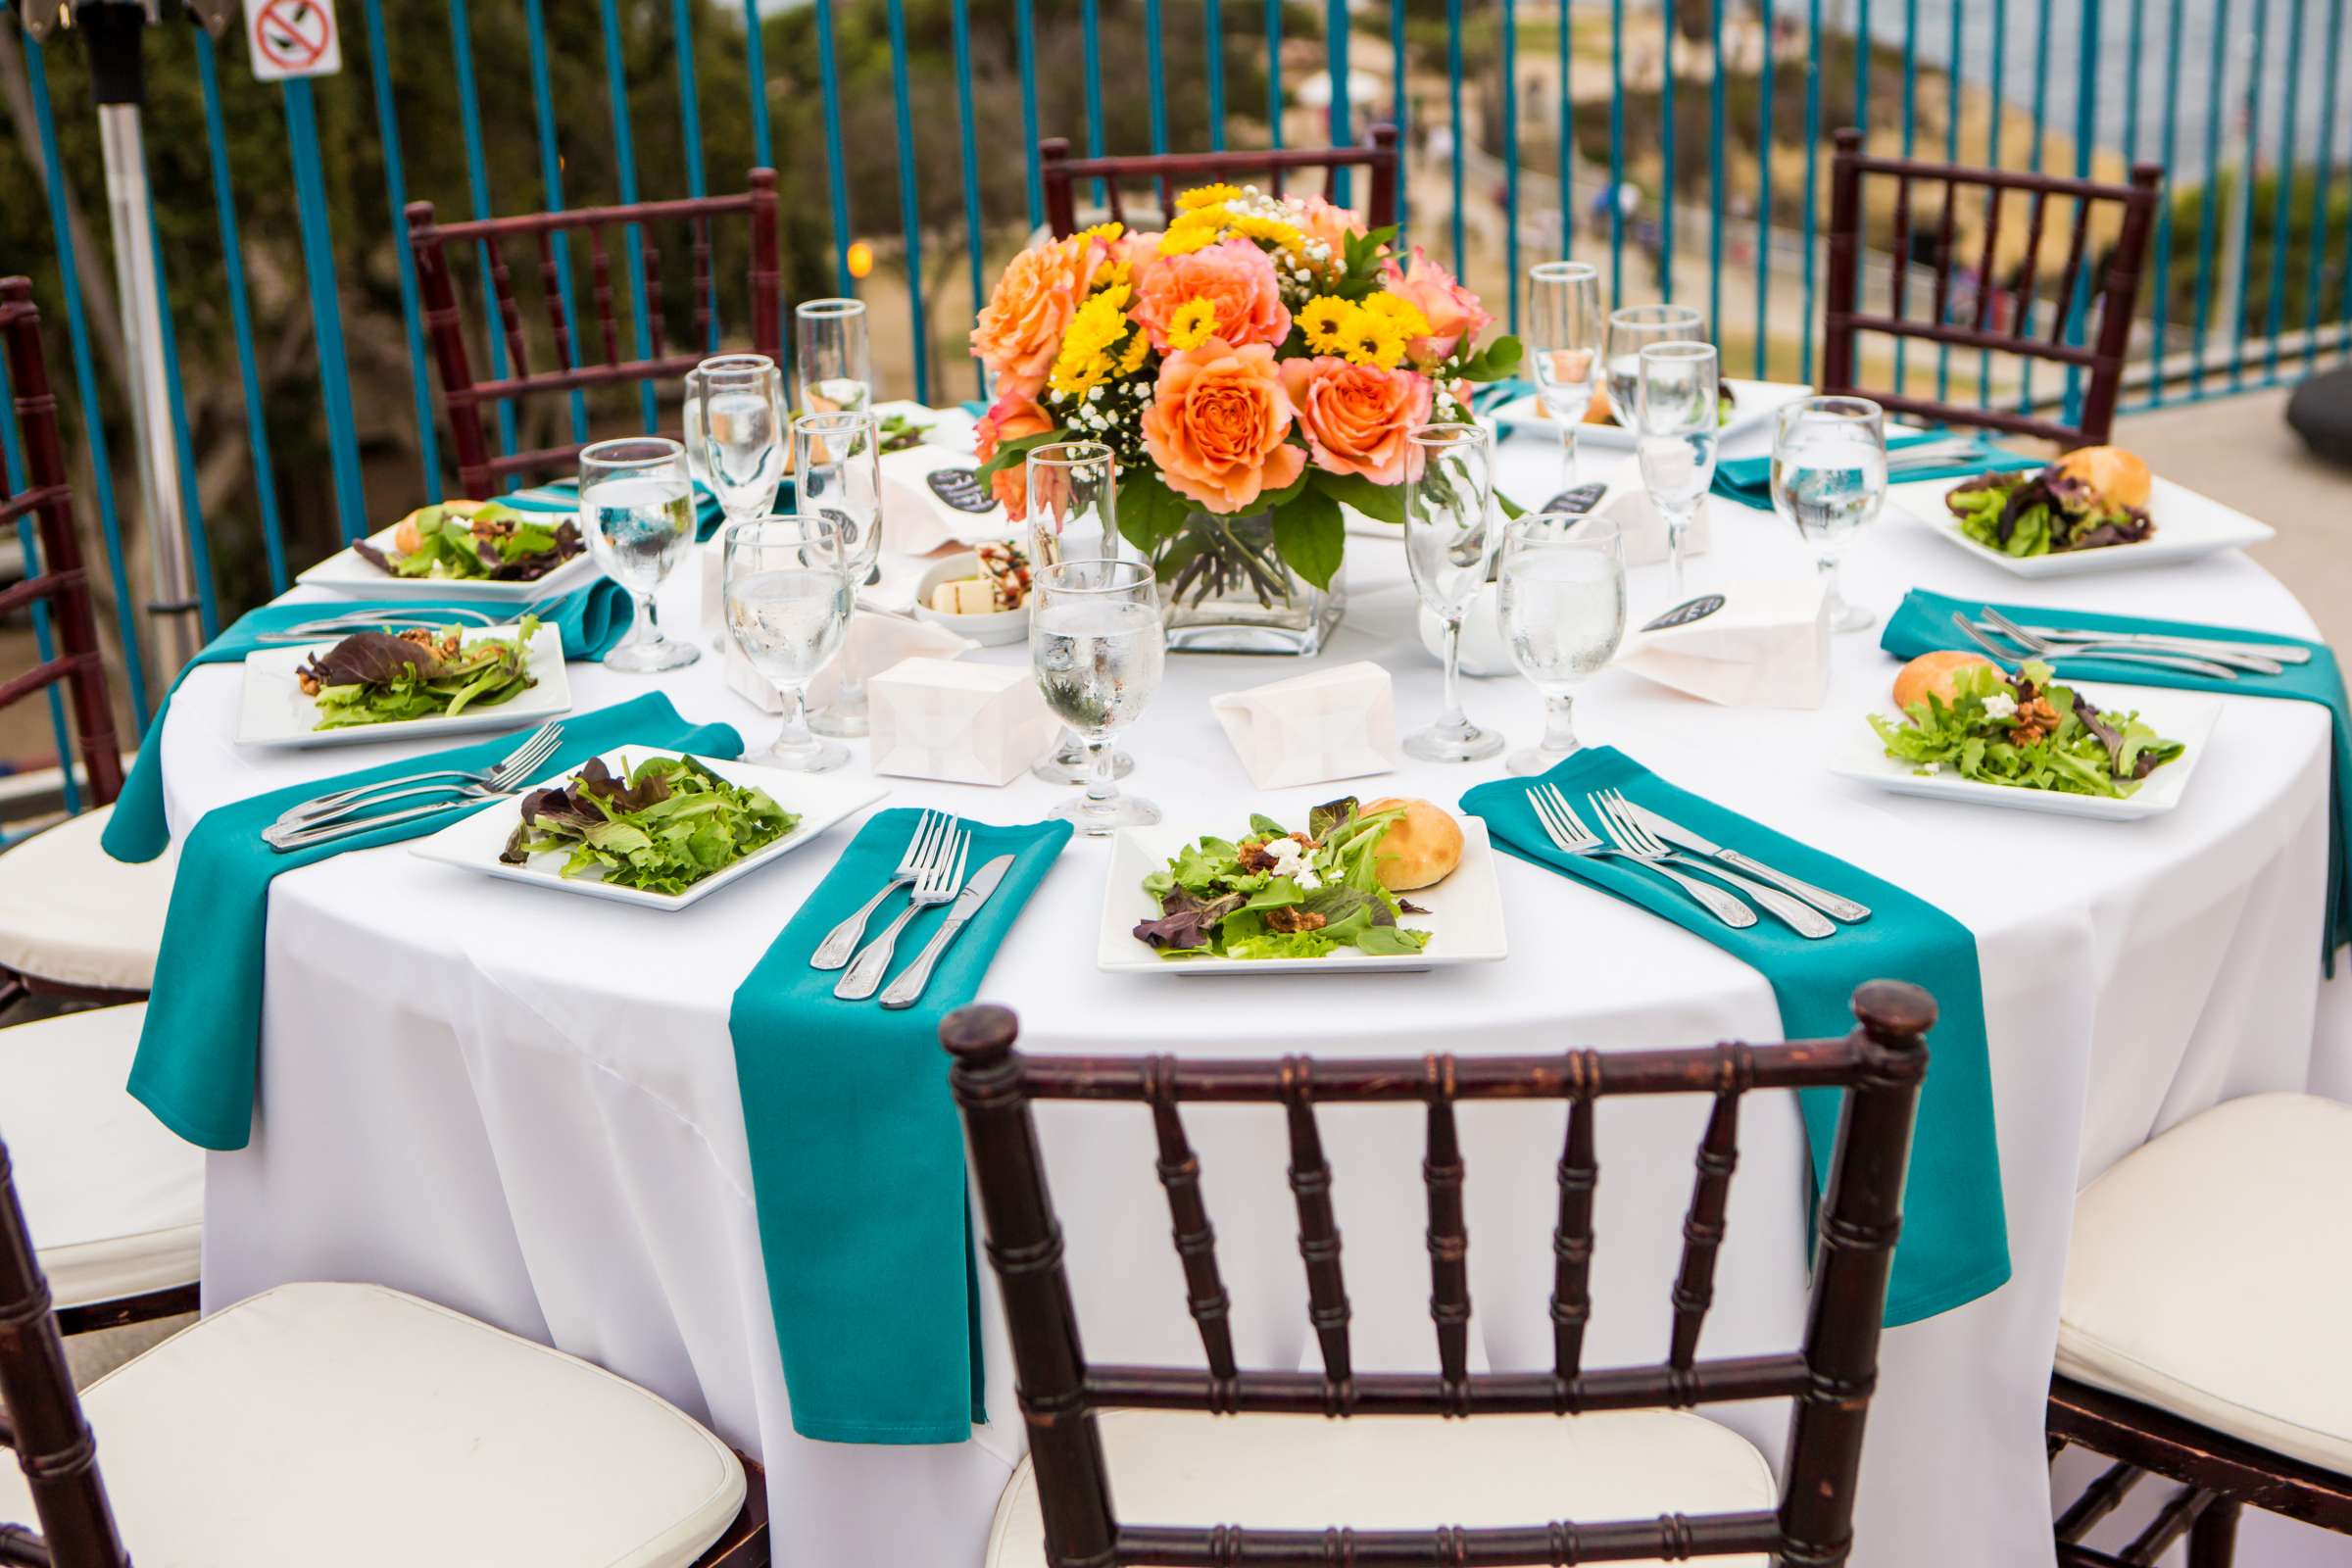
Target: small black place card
1688,611
1583,498
961,489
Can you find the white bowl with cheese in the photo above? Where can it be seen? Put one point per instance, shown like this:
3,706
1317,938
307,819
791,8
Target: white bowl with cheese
992,627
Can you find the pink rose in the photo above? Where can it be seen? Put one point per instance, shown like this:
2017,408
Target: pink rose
1015,415
1019,330
1138,251
1216,424
1453,312
1355,416
1233,274
1322,221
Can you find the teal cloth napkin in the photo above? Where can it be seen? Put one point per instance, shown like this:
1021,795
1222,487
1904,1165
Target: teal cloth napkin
196,1057
591,620
1748,480
1955,1244
858,1156
563,495
1924,622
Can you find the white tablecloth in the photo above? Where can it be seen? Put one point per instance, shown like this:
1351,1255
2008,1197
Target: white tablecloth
524,1105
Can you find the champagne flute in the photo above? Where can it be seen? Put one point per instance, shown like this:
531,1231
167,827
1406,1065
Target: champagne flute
1073,516
1564,344
696,467
787,587
1679,422
1829,477
1632,328
738,425
1449,542
637,510
1563,615
837,466
835,367
1098,649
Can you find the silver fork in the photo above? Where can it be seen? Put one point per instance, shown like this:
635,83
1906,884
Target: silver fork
2052,647
1636,840
2008,656
834,951
499,777
938,883
282,838
1568,834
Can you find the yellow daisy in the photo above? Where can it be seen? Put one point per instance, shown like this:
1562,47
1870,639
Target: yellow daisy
1268,230
1206,196
1373,340
1107,233
1132,360
1182,239
1325,320
1195,320
1399,312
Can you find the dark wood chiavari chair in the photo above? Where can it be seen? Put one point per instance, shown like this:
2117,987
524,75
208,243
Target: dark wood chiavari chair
1828,1380
465,398
2102,313
1169,171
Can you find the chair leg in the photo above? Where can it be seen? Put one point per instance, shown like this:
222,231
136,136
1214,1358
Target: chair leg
2213,1539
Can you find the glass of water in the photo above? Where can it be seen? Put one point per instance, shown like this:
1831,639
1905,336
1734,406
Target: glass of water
695,466
1563,615
835,367
1632,328
1098,647
1679,422
787,588
637,510
1073,492
1829,477
738,422
1563,345
836,467
1449,542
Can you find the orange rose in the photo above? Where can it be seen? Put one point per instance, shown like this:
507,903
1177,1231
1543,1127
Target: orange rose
1355,416
1453,312
1216,424
1233,274
1322,221
1015,415
1019,330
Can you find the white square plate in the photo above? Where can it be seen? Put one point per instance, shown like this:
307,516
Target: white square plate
2179,716
271,711
1465,911
820,800
347,571
2187,525
1752,402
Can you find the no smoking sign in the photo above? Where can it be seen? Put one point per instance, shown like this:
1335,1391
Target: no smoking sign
293,38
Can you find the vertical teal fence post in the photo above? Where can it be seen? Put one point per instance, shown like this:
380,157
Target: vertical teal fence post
1666,169
326,309
2320,189
2134,51
477,190
1025,43
1715,170
2042,101
2274,311
974,236
1212,41
200,544
1156,75
1453,99
2161,306
1992,156
1335,64
1399,115
911,225
755,62
1951,155
551,183
2211,195
690,130
1764,140
1812,224
1510,154
2086,130
1567,137
1616,154
2246,173
1274,73
837,188
1910,141
396,197
625,174
1089,47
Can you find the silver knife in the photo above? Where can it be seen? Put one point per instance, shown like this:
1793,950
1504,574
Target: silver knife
1821,899
907,988
2281,652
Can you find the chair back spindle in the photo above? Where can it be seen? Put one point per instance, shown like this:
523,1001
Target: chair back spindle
1170,173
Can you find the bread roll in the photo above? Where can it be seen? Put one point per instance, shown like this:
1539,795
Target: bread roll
2120,478
1420,848
1932,672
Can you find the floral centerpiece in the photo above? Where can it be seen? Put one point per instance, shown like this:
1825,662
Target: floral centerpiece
1256,369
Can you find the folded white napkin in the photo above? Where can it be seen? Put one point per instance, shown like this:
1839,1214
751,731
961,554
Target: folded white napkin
964,722
1334,724
932,498
875,642
1747,644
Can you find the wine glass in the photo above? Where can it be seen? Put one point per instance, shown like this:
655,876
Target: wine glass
637,510
1073,516
1098,647
1564,343
837,463
1679,420
787,589
735,425
835,367
1449,542
1632,328
1563,615
1829,477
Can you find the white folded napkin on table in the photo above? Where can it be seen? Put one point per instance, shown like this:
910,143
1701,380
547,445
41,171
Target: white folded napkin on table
875,642
962,722
1747,644
932,498
1334,724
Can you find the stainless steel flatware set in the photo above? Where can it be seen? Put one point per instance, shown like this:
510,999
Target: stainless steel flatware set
341,814
938,852
2217,658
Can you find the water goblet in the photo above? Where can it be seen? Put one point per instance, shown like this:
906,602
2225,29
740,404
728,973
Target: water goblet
1098,647
692,407
1073,516
637,510
1449,542
1829,477
1562,591
835,367
787,586
1563,345
1632,328
1679,423
837,469
735,428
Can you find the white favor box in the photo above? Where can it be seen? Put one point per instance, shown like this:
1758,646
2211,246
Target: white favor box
1640,527
964,723
875,642
932,498
1334,724
1748,644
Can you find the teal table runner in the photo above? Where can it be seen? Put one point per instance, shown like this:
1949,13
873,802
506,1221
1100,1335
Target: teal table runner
1955,1245
858,1154
1748,480
1924,622
196,1057
563,495
591,620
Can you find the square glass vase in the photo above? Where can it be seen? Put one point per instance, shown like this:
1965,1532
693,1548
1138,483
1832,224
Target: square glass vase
1224,589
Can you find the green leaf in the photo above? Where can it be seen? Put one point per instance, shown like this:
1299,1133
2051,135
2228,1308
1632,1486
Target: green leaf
1310,536
1151,514
1511,509
1265,827
1383,502
1494,362
1016,450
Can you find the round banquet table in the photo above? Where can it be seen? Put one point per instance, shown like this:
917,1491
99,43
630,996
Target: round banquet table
524,1105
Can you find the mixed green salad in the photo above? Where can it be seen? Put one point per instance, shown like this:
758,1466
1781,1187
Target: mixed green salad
901,432
383,677
2028,731
477,540
2042,512
667,826
1278,894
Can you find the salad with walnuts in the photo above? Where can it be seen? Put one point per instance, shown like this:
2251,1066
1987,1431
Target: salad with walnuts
2027,730
662,826
2087,500
385,677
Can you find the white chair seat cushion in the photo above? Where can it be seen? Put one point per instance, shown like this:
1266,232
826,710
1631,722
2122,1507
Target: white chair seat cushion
2211,1272
74,913
1302,1472
354,1424
114,1201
